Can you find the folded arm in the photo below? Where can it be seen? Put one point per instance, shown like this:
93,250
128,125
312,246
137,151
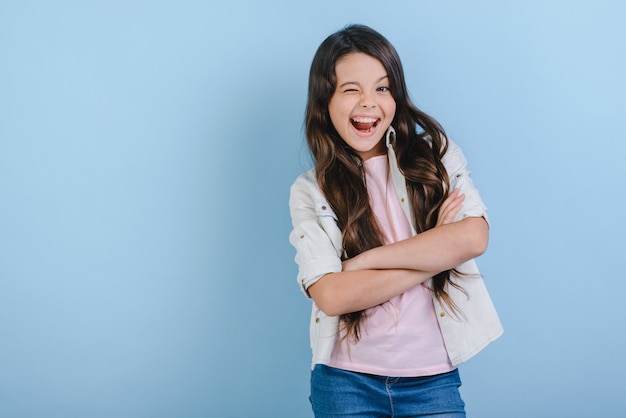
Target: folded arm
351,291
377,275
438,249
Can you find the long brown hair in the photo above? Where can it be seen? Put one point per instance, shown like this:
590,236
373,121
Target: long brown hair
339,169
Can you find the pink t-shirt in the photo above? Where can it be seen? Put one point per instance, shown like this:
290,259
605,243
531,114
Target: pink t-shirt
399,338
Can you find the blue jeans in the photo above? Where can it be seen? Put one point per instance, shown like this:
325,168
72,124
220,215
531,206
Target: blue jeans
340,393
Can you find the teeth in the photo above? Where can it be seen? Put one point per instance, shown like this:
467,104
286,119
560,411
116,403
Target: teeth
364,120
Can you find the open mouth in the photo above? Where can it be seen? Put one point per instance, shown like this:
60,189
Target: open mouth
364,124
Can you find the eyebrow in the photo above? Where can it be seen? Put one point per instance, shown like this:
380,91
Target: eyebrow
358,84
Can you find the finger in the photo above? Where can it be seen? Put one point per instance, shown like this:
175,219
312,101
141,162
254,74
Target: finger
450,208
452,200
449,200
449,214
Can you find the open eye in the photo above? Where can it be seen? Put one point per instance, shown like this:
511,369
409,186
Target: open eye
383,89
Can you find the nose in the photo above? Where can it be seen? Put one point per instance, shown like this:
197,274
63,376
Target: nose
367,101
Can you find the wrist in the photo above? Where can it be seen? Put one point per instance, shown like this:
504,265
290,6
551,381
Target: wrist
360,262
354,263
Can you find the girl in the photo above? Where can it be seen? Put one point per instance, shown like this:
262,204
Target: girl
386,227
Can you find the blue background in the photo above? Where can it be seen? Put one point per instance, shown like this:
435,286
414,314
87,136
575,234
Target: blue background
146,151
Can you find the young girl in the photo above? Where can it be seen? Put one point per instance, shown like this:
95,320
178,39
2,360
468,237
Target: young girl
386,227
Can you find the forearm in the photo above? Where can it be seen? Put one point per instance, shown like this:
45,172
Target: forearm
435,250
351,291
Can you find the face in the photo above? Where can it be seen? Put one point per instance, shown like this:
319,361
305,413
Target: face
362,108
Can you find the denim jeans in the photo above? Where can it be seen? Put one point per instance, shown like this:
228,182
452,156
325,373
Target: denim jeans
340,393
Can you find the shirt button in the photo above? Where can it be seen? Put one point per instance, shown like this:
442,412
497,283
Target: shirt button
323,207
402,200
302,236
442,314
317,320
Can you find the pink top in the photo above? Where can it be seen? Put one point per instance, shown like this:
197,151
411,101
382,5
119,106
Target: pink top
399,338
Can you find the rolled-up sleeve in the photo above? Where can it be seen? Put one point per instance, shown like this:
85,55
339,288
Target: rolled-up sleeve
460,177
315,236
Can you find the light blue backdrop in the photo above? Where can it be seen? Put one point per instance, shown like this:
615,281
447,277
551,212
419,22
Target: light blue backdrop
146,151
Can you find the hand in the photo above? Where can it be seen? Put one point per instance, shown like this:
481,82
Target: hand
450,207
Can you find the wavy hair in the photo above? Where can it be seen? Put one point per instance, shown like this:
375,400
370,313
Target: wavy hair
420,144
